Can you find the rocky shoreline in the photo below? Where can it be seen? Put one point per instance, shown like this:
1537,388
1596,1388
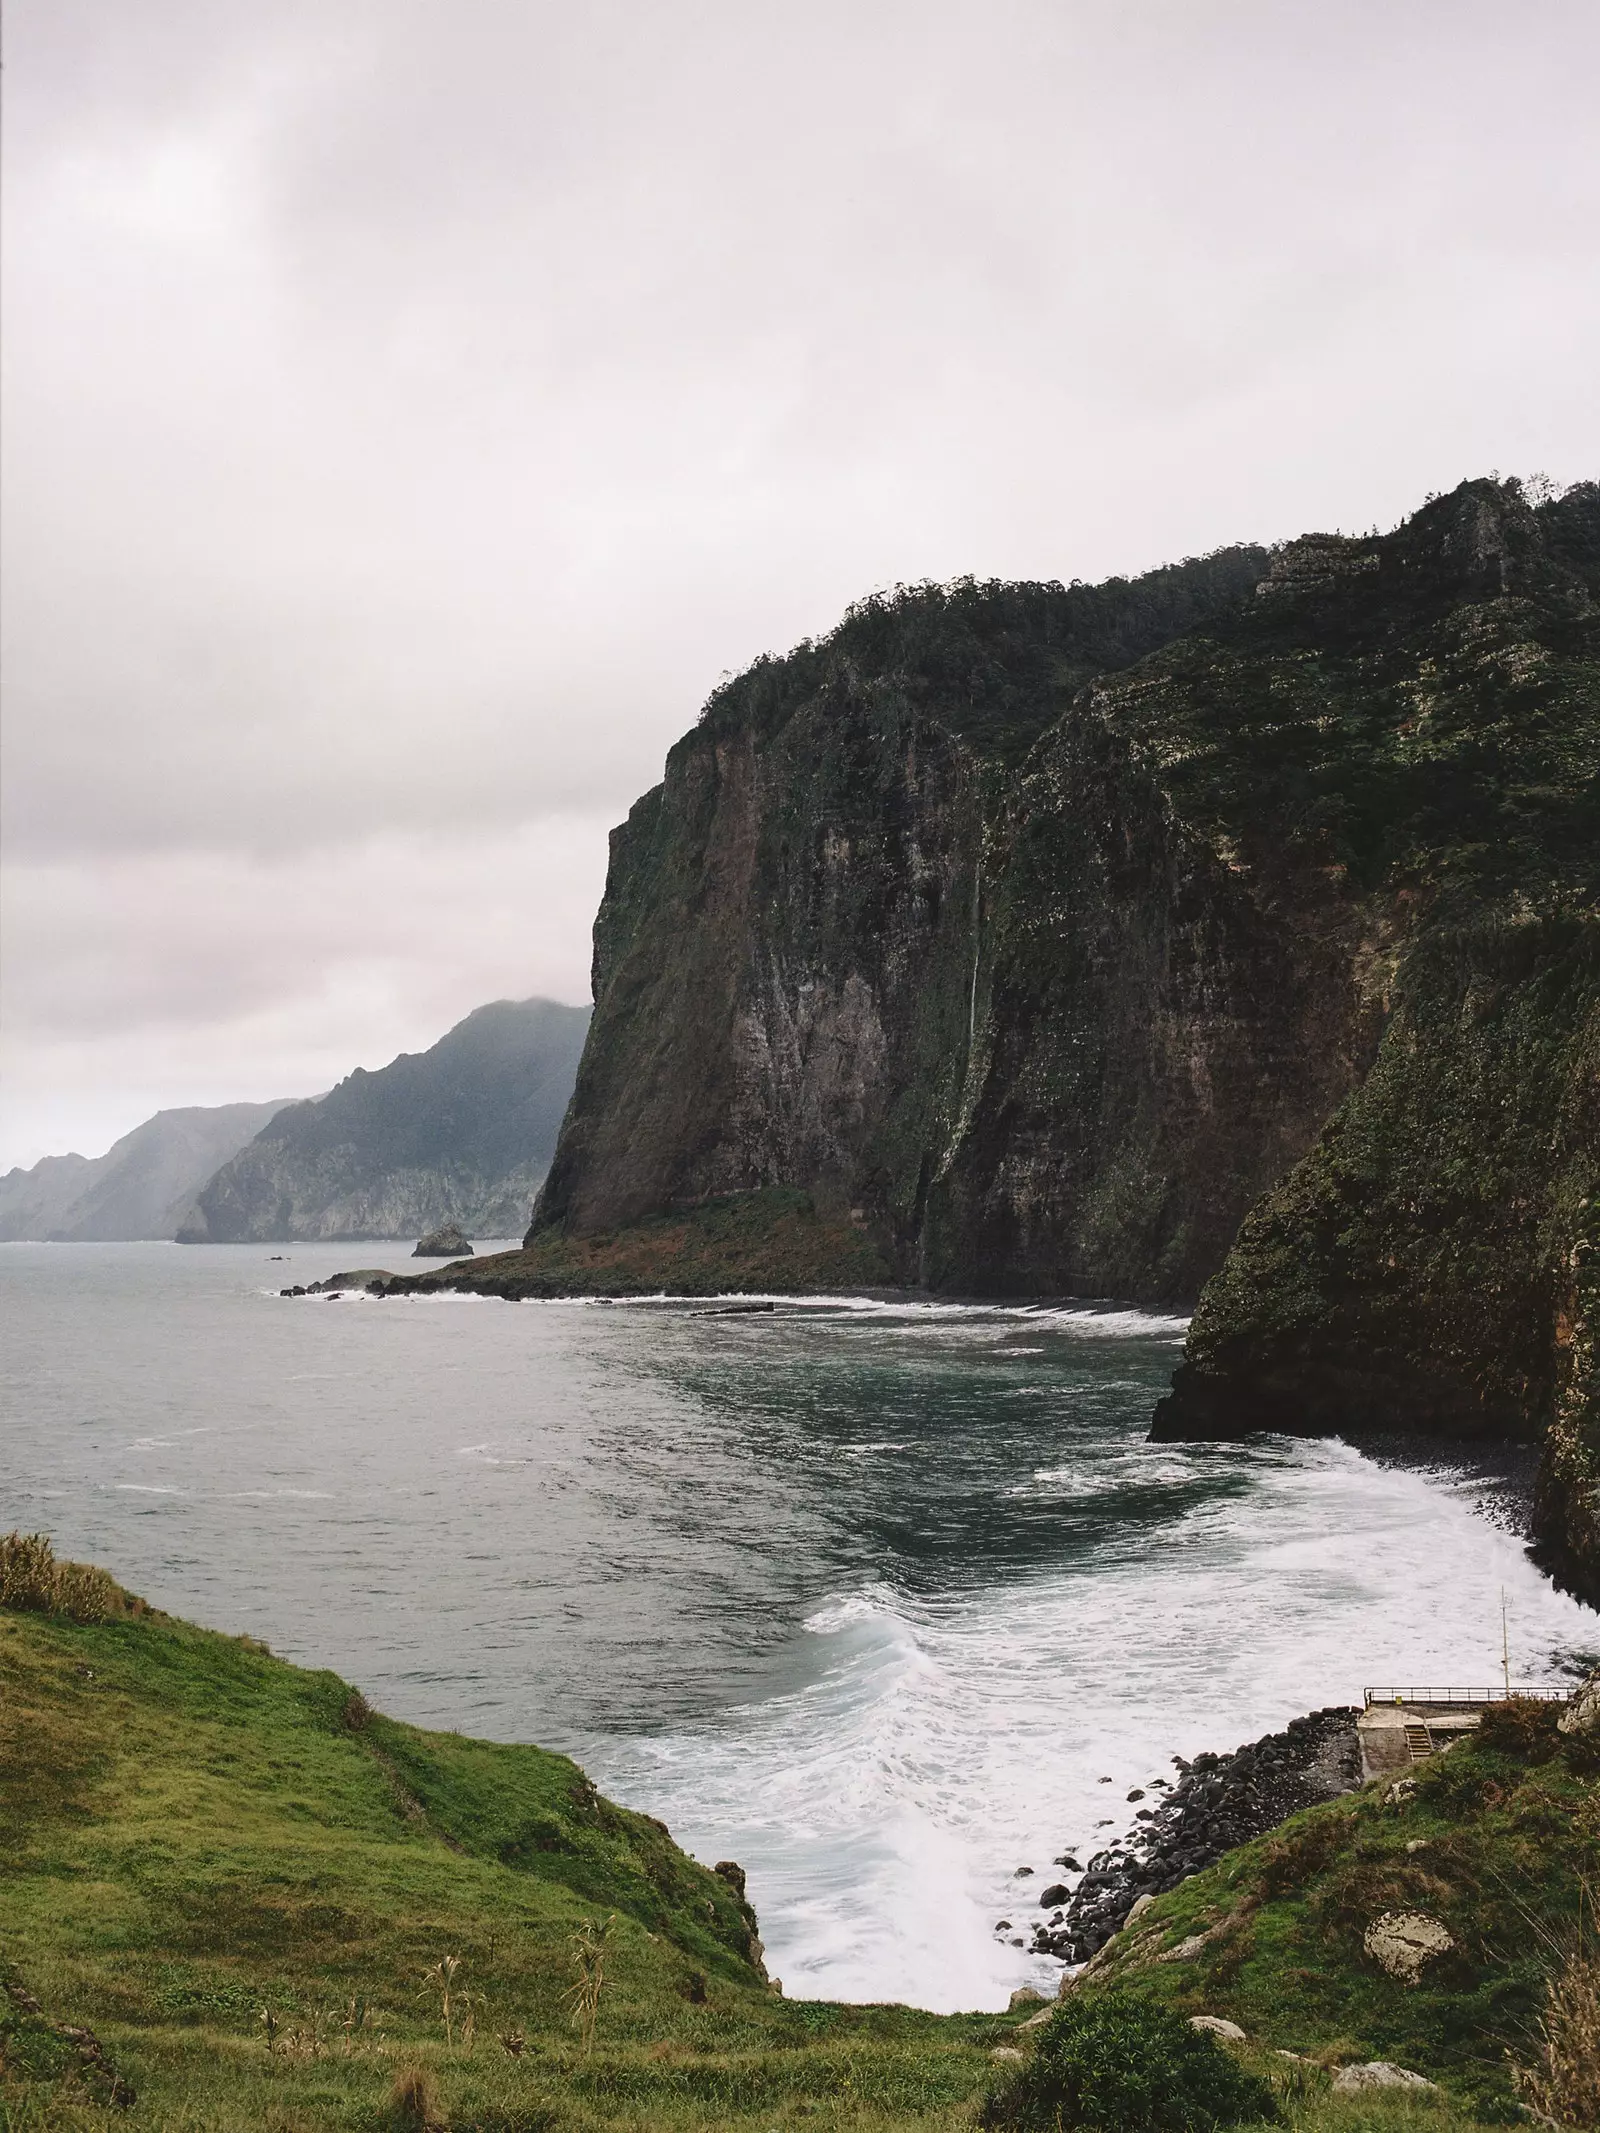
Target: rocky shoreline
1218,1802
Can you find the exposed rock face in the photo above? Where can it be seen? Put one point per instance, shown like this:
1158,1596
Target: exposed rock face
143,1186
460,1133
985,992
1047,936
451,1242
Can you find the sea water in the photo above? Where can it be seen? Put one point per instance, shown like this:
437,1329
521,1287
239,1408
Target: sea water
885,1600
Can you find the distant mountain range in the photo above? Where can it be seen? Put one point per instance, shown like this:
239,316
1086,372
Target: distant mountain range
462,1133
143,1186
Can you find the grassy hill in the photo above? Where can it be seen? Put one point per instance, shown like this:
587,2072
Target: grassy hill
232,1896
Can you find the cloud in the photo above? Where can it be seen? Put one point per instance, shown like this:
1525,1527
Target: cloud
411,410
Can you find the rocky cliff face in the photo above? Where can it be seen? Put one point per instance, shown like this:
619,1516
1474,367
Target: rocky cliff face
461,1133
1047,936
143,1186
824,960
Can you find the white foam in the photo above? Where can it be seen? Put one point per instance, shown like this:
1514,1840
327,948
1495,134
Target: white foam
882,1809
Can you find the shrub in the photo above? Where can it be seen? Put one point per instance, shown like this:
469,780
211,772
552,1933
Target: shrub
31,1578
1117,2065
1522,1726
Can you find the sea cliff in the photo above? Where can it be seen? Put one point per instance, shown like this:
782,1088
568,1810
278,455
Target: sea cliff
1223,937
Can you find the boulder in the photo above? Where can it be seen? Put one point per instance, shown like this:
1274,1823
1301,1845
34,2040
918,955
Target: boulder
1057,1892
450,1242
360,1277
1218,2026
1026,1996
1378,2074
1403,1943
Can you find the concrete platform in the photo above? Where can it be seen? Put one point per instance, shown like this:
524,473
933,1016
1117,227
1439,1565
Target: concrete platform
1393,1736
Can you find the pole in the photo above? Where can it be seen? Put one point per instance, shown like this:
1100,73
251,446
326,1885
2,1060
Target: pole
1505,1642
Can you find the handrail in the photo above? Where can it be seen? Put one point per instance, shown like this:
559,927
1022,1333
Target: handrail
1541,1693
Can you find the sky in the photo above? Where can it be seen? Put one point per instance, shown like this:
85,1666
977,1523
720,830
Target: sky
412,408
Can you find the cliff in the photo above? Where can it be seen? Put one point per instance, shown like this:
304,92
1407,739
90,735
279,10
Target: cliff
1052,939
143,1186
823,960
461,1133
1039,931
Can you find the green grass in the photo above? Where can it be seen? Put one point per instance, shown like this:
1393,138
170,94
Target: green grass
199,1834
234,1876
1498,1844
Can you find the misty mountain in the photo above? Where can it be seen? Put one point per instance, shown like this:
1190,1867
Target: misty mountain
460,1133
142,1186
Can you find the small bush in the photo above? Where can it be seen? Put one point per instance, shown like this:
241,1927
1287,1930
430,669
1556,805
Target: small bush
32,1579
1116,2065
1522,1726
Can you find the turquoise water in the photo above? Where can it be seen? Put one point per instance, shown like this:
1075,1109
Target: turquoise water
870,1597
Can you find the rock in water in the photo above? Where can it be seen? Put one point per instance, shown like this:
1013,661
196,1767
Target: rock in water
447,1243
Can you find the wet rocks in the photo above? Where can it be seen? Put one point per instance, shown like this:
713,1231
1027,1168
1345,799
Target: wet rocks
1220,1801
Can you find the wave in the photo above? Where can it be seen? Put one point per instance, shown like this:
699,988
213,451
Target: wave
882,1809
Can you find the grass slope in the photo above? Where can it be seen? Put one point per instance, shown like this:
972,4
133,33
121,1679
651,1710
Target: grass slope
1498,1839
197,1832
224,1880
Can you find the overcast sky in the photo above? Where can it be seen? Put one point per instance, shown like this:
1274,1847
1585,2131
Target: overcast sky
412,408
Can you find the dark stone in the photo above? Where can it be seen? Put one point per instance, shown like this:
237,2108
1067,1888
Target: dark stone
450,1242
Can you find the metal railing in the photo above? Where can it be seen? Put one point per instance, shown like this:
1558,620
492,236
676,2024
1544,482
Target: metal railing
1541,1694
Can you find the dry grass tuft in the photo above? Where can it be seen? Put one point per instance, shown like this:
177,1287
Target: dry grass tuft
1564,2085
31,1578
414,2101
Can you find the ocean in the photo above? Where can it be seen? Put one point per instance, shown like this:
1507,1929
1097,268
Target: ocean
885,1600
